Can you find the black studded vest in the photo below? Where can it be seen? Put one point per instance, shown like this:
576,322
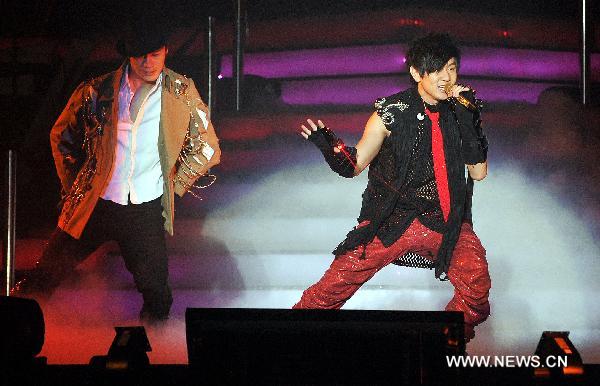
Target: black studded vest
401,184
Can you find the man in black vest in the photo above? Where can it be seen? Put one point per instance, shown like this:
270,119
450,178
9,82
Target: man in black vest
418,200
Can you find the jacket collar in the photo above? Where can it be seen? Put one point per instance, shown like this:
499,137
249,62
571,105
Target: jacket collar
109,87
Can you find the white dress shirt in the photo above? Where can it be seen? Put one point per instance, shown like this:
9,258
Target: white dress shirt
136,173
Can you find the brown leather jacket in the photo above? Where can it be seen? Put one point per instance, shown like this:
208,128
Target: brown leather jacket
84,138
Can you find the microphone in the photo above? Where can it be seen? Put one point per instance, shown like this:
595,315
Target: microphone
460,99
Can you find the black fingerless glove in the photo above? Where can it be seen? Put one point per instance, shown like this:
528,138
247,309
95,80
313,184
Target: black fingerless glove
474,142
342,162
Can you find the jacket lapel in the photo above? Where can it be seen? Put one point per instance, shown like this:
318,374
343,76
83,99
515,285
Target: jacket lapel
109,96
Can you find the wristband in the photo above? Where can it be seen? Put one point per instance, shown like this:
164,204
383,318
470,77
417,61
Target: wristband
342,162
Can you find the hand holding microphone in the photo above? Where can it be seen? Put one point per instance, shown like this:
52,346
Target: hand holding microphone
454,95
474,142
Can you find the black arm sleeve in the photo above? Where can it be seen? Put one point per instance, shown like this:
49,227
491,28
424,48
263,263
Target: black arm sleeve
342,162
474,142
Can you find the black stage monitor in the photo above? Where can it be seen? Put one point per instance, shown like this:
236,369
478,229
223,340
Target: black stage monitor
22,331
278,346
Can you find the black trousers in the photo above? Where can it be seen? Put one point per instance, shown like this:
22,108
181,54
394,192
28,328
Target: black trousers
137,228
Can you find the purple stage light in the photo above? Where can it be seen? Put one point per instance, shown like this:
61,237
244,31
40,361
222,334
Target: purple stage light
320,62
383,59
520,64
506,91
364,91
358,91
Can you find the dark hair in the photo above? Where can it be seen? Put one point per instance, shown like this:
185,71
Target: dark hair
132,44
143,34
431,53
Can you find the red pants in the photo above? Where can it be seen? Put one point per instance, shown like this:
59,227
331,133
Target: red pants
468,272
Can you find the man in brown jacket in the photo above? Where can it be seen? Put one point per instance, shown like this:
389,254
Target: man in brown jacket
125,143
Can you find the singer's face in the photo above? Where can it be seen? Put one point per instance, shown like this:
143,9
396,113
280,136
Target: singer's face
432,85
148,67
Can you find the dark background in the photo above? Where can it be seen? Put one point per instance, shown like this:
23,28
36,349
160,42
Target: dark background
71,18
